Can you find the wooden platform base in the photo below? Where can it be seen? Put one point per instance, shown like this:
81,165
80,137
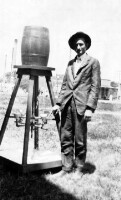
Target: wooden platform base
36,160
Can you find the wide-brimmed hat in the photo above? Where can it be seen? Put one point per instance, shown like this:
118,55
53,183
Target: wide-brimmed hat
78,35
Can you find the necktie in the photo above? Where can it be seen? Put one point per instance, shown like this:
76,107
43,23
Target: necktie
76,66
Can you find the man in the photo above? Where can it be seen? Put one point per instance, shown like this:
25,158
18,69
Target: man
77,101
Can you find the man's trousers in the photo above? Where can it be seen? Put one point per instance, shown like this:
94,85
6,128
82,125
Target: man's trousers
73,137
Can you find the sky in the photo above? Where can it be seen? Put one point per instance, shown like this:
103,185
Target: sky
100,19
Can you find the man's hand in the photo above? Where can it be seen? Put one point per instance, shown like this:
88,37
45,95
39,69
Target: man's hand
88,115
55,109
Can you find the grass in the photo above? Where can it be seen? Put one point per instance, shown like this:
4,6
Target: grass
102,174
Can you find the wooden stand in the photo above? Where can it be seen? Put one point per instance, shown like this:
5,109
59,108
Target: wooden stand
32,110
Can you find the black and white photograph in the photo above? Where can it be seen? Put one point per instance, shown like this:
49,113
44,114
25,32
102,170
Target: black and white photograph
60,100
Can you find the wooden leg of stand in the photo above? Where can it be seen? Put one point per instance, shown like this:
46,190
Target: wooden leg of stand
36,111
57,117
11,102
27,124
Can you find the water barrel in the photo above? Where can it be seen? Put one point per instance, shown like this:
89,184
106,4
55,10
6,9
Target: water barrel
35,46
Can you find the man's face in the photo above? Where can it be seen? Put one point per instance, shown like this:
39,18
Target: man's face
80,47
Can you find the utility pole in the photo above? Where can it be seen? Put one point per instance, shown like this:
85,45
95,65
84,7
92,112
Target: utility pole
14,51
12,61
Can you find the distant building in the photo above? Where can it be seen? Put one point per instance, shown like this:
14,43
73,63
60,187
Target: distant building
109,90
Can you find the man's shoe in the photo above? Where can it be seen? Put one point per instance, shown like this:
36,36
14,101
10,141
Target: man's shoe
61,173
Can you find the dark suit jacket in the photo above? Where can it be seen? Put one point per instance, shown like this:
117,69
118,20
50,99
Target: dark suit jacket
84,87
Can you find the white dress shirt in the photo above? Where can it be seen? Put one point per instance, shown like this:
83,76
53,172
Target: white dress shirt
78,62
